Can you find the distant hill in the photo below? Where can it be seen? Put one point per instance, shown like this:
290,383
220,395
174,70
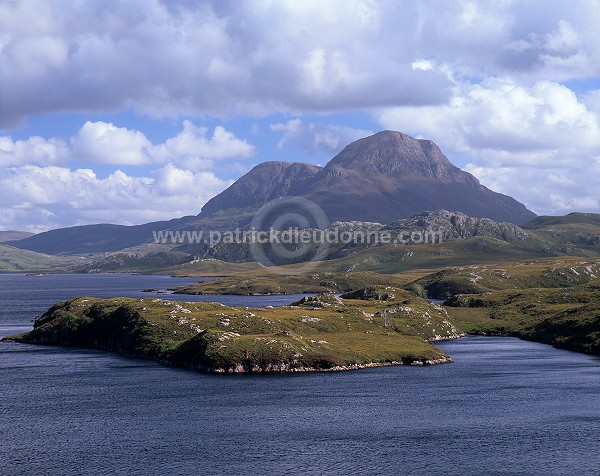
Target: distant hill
383,178
14,259
94,238
464,240
10,235
575,218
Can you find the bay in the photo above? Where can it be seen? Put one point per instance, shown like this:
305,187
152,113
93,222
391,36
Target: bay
505,406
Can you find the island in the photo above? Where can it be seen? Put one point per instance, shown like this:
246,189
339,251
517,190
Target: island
374,326
553,301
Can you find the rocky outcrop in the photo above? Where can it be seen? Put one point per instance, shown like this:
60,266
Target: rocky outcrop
455,225
371,293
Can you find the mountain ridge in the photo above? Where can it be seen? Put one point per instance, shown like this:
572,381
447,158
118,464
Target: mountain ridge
381,178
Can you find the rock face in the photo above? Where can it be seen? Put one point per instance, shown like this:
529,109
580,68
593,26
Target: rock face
381,178
456,225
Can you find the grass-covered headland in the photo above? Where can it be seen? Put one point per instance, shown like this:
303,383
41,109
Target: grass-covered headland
386,326
554,301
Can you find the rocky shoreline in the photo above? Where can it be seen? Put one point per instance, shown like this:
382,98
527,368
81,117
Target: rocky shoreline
287,368
318,333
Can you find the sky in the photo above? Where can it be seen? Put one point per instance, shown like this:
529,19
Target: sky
139,110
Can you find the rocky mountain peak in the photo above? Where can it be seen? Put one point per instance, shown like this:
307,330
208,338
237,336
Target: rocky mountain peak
395,154
381,178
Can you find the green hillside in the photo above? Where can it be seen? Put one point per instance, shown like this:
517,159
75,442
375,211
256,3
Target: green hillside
14,259
321,332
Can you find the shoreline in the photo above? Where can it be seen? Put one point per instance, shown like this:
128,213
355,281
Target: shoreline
285,368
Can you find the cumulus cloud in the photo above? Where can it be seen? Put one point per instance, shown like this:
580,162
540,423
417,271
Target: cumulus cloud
193,148
104,143
592,101
184,58
38,190
483,79
547,190
38,198
317,137
503,119
518,140
35,150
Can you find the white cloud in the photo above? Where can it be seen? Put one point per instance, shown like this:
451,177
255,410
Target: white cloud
38,191
483,79
316,138
502,122
547,190
35,150
565,40
216,58
539,144
104,143
181,58
193,148
37,198
592,101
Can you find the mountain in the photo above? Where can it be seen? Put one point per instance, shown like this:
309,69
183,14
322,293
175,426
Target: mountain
381,178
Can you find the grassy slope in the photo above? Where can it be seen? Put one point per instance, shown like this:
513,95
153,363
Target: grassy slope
576,234
321,333
564,318
389,259
572,220
554,301
549,273
398,258
14,259
212,267
310,283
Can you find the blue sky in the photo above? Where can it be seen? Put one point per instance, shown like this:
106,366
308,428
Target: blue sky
137,110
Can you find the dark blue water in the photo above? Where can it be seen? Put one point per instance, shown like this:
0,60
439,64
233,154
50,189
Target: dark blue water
504,407
23,297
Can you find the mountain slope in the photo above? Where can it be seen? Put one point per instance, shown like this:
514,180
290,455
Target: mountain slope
95,238
381,178
14,259
266,181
